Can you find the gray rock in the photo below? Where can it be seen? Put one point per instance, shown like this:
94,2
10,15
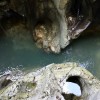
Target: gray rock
47,84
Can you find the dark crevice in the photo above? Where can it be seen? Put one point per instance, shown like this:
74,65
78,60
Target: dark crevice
4,81
75,79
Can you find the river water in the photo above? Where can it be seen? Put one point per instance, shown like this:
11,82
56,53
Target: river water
19,51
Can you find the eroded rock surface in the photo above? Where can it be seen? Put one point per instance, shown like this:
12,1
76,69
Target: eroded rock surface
60,22
53,23
47,84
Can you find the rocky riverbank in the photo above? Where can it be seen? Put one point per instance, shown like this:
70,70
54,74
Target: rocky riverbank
49,83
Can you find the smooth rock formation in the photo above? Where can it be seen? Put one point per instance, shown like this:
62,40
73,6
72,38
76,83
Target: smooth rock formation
60,22
48,84
53,23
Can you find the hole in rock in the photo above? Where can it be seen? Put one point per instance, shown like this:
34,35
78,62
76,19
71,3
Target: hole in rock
76,80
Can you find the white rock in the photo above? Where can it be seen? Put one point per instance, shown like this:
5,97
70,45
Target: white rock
49,83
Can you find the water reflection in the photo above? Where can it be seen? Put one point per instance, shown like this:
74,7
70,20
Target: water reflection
20,51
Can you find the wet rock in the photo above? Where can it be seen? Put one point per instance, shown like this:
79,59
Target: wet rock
53,23
60,22
49,82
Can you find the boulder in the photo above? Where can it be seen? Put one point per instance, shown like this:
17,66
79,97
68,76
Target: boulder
53,82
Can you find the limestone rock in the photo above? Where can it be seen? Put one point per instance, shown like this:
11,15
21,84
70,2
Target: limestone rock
53,23
61,22
47,84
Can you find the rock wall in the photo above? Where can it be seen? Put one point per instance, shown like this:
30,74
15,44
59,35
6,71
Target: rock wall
60,22
53,23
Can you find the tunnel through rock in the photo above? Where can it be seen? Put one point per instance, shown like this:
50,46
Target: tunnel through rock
75,79
71,96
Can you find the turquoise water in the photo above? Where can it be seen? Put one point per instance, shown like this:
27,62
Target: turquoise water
19,51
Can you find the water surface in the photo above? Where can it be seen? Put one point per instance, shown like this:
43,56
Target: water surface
19,51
